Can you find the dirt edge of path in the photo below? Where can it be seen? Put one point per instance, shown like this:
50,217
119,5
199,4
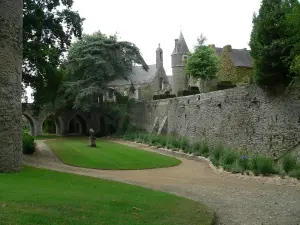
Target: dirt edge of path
273,179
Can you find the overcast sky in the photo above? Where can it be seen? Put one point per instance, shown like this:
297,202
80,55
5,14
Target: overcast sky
147,23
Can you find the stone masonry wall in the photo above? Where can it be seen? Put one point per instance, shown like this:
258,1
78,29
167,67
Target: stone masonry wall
11,24
242,118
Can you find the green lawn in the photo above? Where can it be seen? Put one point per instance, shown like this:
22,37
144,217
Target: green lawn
37,196
107,155
46,136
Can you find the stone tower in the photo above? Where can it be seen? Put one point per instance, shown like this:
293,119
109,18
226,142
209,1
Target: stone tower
159,56
179,55
10,86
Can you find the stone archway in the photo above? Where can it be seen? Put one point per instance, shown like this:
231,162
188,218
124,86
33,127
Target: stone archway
31,122
56,120
77,125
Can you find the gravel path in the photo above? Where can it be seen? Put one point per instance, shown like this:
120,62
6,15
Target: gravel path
237,200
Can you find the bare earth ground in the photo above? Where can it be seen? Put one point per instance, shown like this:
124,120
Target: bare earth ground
236,199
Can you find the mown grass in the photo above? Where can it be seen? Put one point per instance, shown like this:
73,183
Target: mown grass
46,137
37,196
107,155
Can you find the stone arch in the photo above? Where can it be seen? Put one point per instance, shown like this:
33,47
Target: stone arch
77,125
32,123
57,121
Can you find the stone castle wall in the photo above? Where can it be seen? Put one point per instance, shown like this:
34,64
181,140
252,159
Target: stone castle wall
243,118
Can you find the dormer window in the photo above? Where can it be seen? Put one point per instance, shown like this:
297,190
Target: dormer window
184,57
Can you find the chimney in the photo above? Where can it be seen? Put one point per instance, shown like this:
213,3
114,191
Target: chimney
228,48
176,45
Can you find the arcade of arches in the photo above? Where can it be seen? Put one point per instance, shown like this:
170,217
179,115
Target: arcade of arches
67,123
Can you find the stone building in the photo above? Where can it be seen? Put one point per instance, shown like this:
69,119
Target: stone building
142,85
235,65
179,56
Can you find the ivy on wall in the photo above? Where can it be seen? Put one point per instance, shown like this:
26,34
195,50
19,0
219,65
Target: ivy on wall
229,72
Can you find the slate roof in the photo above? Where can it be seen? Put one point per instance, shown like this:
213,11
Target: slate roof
181,46
219,51
241,58
138,76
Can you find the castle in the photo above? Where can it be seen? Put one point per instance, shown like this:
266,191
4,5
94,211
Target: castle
244,118
236,67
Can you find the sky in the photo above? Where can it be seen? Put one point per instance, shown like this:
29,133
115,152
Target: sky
148,23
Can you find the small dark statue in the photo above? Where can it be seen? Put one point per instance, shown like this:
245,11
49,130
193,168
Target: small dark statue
92,138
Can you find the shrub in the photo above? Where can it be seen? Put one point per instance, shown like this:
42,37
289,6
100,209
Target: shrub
233,168
176,143
214,161
204,150
28,143
243,162
196,148
188,92
184,145
163,140
223,85
163,96
128,137
295,173
229,157
263,165
154,139
289,163
216,152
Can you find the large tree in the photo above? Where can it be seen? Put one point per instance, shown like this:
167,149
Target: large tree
10,85
92,62
203,63
272,43
293,19
49,26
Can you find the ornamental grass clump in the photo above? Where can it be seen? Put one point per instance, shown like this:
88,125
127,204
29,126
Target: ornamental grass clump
243,162
215,155
289,163
263,165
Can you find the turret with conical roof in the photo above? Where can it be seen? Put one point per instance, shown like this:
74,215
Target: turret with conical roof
179,56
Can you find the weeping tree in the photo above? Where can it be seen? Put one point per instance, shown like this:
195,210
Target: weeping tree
93,62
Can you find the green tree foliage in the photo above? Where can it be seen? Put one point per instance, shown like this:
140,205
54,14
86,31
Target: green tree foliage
273,42
93,62
293,19
48,29
49,126
204,62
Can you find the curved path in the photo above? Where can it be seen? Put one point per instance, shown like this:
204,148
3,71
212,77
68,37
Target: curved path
235,199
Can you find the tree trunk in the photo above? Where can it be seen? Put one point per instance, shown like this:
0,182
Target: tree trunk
11,22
